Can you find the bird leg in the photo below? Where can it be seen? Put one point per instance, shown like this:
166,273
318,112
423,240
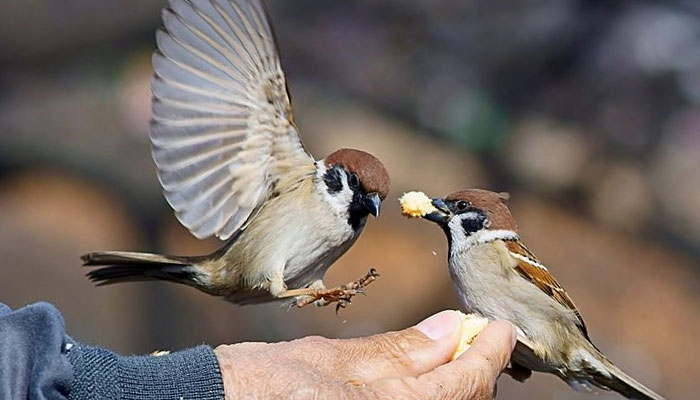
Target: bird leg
341,294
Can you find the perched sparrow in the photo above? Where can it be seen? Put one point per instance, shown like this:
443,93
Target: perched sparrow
232,165
496,276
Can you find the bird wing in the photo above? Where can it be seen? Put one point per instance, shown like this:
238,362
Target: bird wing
532,270
222,132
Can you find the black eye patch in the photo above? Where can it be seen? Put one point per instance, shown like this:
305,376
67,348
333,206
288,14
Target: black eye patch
333,180
473,221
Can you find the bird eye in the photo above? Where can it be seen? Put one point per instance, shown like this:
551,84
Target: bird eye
462,205
353,180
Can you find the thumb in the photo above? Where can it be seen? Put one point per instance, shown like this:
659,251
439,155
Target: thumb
410,352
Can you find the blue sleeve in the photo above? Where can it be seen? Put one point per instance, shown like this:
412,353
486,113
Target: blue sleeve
38,361
33,364
188,374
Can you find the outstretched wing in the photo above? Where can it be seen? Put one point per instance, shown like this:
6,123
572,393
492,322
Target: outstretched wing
531,269
222,131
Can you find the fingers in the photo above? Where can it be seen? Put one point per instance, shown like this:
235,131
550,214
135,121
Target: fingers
411,352
472,376
492,347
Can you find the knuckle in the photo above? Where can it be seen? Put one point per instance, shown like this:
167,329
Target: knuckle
480,386
489,356
397,350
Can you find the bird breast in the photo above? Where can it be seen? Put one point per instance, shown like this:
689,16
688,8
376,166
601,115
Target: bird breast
295,234
486,283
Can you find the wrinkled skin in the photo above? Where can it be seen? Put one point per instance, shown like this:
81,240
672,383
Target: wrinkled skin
406,364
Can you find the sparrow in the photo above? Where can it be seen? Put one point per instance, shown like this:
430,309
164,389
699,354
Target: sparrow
496,276
232,165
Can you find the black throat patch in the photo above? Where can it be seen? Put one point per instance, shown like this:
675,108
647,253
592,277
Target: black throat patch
357,214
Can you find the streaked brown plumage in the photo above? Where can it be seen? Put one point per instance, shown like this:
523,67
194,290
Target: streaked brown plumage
496,276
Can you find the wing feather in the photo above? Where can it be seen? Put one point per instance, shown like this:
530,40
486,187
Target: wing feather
222,131
532,270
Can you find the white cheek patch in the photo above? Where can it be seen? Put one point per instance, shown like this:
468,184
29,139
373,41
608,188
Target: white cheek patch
460,239
338,202
469,215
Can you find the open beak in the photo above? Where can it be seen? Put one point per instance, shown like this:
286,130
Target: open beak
441,215
372,203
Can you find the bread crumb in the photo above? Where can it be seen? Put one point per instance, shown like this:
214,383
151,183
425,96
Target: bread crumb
416,204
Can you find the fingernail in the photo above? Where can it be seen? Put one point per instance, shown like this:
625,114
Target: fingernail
440,325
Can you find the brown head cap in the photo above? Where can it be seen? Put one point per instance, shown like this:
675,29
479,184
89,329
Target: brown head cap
371,172
492,203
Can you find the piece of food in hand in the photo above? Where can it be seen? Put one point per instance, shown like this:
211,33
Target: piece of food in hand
416,204
472,325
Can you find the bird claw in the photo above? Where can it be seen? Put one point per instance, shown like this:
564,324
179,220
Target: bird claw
342,295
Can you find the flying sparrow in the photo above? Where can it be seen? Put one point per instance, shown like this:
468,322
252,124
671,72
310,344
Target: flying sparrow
495,275
232,165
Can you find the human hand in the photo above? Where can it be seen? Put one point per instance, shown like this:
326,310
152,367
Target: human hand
408,364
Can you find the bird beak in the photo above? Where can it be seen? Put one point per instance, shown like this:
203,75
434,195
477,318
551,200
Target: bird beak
442,213
372,202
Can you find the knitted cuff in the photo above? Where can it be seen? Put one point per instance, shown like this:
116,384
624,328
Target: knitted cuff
188,374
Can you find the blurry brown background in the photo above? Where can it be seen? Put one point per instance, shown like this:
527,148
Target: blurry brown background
588,112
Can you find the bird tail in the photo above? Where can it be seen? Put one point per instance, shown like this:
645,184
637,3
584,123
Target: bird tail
628,386
120,266
608,376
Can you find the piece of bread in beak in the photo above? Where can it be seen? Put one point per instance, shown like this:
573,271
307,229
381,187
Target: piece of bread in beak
416,204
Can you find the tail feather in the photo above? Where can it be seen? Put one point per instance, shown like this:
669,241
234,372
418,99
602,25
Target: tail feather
613,378
129,257
121,266
628,386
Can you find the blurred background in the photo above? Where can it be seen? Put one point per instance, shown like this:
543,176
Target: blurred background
588,112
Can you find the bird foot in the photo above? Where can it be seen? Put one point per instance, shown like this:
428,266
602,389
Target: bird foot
342,295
